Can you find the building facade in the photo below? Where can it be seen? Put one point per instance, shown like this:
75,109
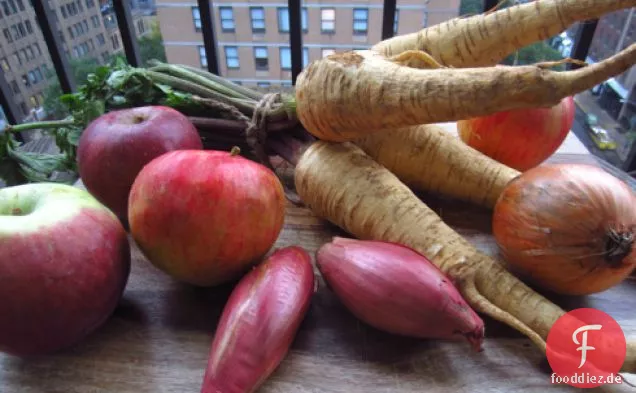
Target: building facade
253,38
85,28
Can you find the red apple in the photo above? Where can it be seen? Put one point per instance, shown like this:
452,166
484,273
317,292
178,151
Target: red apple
521,138
64,263
115,146
205,216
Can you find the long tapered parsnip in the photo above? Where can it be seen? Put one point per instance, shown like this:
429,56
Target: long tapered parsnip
373,204
345,96
429,158
486,39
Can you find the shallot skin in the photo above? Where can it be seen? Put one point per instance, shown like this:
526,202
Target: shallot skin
259,322
395,289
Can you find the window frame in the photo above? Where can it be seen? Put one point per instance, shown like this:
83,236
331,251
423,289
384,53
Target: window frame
322,51
281,50
323,21
396,22
257,30
255,50
359,20
203,56
224,19
303,15
238,59
196,20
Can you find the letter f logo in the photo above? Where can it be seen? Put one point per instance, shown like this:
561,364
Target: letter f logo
584,347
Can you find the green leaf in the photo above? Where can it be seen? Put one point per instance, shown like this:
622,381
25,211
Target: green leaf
38,166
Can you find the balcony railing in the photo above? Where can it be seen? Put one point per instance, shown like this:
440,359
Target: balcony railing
45,18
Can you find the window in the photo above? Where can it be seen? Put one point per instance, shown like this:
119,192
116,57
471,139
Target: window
196,17
105,57
85,26
21,30
95,20
231,57
29,28
227,19
79,5
285,58
91,44
5,65
29,52
326,52
283,19
327,20
38,74
15,87
203,57
37,49
63,12
7,35
257,15
70,32
90,3
25,80
115,41
100,39
33,101
395,21
260,58
360,20
24,109
16,58
20,4
140,26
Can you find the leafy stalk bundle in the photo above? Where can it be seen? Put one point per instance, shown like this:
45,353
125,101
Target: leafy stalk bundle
215,106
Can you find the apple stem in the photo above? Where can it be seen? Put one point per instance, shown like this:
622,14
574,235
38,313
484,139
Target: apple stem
235,151
38,125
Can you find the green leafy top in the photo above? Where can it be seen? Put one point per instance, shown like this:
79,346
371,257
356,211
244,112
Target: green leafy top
194,92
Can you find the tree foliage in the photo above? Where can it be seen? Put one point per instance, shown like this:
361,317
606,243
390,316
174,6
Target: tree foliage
150,46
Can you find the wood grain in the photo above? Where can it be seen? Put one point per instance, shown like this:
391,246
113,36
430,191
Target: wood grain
158,338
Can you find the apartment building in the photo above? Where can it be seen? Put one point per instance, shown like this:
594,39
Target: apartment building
253,37
86,29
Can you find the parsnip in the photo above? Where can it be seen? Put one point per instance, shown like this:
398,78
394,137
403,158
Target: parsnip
429,158
486,39
372,204
345,96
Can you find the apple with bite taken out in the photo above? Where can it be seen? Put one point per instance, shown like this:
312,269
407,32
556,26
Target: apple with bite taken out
115,146
64,264
204,217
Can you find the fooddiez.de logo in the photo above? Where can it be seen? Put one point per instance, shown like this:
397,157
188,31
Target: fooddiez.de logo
586,348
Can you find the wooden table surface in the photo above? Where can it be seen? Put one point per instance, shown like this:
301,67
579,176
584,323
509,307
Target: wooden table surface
158,338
